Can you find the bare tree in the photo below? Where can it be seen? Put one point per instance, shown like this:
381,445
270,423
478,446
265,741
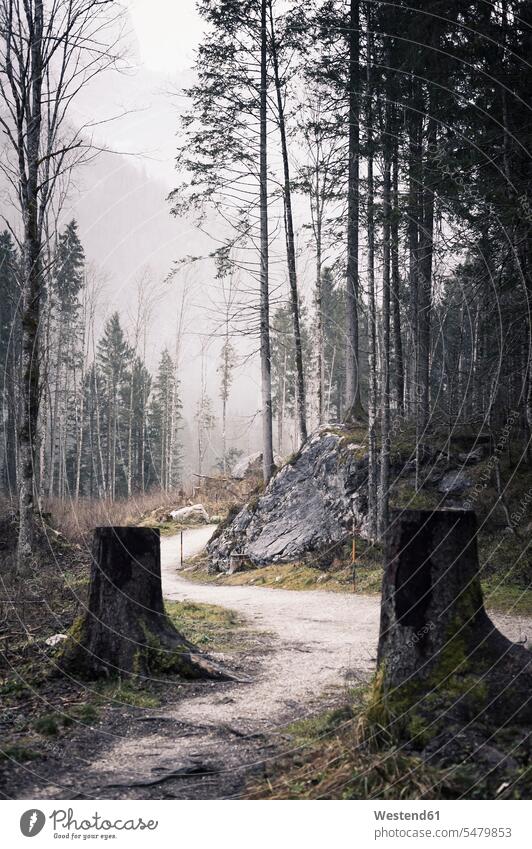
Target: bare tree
48,53
289,230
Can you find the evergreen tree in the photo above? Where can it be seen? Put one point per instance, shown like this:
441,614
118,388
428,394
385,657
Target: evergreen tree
114,360
65,359
165,425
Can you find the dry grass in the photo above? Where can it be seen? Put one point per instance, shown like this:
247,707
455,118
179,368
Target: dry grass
76,520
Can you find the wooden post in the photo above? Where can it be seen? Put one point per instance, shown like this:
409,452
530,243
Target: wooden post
125,630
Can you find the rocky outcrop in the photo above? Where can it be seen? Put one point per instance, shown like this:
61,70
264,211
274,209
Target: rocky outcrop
310,504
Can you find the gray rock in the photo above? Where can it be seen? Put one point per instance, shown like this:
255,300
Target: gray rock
252,464
470,458
454,483
308,507
196,512
55,640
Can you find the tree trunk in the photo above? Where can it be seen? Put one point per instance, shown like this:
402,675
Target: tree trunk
265,354
414,179
320,336
436,640
32,291
384,483
290,241
353,403
372,311
125,631
425,284
396,299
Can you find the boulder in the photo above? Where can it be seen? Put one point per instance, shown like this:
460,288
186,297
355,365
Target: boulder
251,466
470,458
308,506
194,513
246,466
55,640
454,483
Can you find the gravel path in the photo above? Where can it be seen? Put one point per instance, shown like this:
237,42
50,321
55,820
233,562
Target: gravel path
325,638
205,744
320,638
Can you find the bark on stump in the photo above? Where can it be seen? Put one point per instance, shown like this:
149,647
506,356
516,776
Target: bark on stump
125,630
437,644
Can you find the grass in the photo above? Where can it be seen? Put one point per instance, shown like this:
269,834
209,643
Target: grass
353,753
210,627
20,753
304,575
329,760
127,693
170,527
507,599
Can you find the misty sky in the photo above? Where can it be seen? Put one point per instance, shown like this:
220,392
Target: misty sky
120,200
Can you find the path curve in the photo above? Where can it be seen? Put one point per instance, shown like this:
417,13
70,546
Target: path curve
319,637
325,639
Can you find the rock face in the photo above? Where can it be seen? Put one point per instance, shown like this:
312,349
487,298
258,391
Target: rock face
310,504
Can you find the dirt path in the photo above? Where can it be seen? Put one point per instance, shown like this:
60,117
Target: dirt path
205,744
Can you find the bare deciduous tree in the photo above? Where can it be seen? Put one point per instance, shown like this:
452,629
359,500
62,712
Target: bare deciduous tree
48,53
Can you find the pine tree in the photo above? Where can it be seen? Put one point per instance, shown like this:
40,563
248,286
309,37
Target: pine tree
165,424
114,360
64,373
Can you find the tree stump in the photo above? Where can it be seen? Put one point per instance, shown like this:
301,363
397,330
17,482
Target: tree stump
125,630
437,644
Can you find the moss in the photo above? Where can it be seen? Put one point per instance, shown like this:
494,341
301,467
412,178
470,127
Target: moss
156,658
404,496
205,625
303,576
46,724
19,752
292,459
507,598
232,513
85,712
127,693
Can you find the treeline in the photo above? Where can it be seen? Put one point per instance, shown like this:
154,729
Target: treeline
405,129
107,427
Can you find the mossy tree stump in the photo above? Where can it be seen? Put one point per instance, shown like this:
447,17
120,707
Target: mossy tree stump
437,644
125,630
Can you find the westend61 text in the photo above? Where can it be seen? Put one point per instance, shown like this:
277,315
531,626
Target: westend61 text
407,815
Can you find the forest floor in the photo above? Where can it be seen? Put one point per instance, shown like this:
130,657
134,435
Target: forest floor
297,655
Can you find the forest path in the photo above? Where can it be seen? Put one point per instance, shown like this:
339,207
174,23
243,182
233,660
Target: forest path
304,650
